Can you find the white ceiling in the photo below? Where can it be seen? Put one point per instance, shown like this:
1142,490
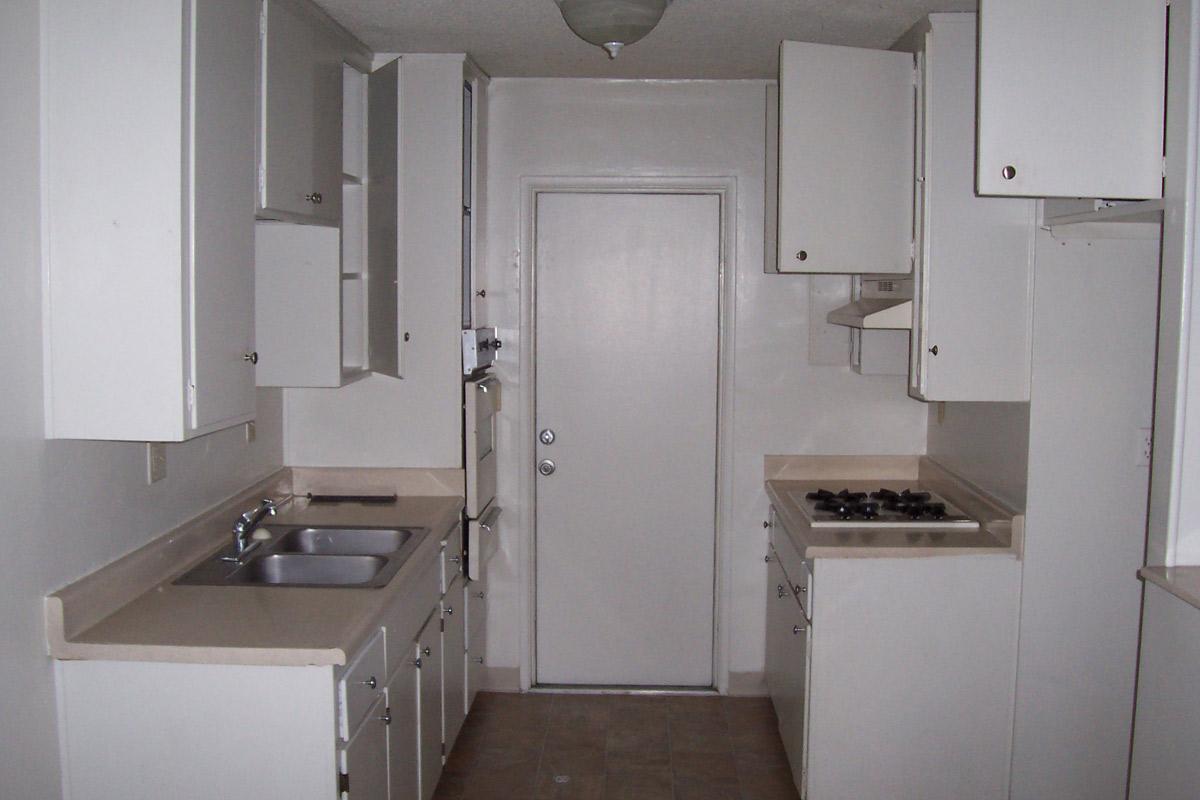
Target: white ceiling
721,39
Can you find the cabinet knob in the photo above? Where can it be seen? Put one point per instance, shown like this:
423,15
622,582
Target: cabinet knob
796,630
449,611
370,682
1009,172
802,589
250,357
766,523
934,350
455,559
802,255
779,592
481,293
427,651
481,595
767,558
417,663
386,718
478,659
314,198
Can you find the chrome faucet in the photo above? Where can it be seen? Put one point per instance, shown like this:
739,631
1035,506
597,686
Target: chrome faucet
244,527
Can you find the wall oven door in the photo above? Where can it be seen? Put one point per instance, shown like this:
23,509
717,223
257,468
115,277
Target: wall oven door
482,406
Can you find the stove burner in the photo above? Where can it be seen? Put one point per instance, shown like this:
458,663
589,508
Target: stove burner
848,505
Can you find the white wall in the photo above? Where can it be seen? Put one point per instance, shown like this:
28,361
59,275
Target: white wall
1092,387
565,127
68,507
986,443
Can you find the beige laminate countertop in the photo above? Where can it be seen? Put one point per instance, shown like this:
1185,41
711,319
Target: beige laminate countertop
998,533
273,625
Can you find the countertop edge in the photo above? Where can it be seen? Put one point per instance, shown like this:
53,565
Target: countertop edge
1182,582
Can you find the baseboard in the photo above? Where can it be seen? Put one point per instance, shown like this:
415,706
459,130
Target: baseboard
501,679
747,684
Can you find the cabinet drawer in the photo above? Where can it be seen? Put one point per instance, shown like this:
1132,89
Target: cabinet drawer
797,570
361,684
452,561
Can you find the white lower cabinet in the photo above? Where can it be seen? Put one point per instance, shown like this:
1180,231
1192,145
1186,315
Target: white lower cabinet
403,745
365,756
375,729
476,644
429,703
454,661
898,681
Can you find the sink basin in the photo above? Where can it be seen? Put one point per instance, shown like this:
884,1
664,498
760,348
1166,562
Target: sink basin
343,541
309,570
314,556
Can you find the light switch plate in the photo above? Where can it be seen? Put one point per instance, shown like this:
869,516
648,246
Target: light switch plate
156,461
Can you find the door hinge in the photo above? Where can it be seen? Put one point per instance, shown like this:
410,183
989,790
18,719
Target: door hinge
191,397
343,783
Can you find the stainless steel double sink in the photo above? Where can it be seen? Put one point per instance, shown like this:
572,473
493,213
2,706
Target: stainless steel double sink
313,556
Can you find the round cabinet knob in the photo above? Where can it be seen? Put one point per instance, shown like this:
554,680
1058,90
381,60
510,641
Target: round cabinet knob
546,467
417,663
427,651
455,559
796,630
767,558
779,592
370,682
481,595
802,589
250,357
314,198
497,344
449,611
934,350
1009,172
546,436
766,523
802,255
386,719
478,659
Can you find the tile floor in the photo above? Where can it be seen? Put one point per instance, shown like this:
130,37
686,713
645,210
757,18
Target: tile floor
610,747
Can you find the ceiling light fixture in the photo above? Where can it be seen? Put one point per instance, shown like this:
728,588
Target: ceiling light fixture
612,24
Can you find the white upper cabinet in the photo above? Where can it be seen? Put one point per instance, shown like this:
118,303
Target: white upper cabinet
1071,98
972,313
845,159
300,140
148,144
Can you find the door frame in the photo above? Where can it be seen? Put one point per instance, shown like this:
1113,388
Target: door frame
725,189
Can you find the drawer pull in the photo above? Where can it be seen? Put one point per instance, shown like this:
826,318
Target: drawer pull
478,659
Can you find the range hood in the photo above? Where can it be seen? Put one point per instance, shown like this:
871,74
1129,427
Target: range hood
880,304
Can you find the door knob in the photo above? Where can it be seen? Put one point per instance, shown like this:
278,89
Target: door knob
546,436
546,466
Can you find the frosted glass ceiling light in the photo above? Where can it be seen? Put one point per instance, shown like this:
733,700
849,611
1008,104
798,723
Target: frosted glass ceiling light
612,24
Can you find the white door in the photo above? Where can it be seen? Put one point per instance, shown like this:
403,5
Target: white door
626,341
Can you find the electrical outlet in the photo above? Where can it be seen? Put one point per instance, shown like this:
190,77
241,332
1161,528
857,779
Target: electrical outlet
251,433
156,461
1145,446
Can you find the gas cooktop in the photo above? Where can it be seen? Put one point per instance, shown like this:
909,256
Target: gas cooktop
883,508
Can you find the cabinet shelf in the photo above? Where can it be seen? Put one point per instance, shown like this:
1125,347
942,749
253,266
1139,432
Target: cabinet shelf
871,314
1103,219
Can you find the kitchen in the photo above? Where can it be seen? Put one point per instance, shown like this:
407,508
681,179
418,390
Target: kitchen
1068,457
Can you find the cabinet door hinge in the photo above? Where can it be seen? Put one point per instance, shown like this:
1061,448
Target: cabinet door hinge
191,397
343,783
